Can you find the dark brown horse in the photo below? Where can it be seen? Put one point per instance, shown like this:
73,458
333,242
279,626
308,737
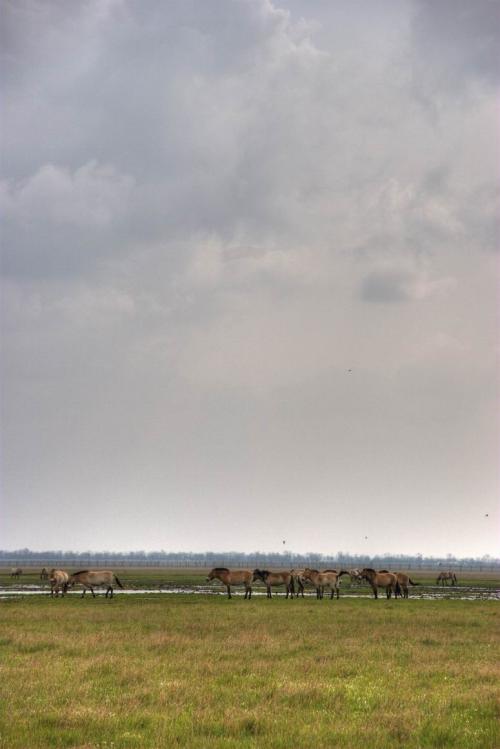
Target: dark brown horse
44,575
232,577
275,578
376,580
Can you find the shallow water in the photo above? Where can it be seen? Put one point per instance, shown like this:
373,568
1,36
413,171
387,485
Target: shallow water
472,593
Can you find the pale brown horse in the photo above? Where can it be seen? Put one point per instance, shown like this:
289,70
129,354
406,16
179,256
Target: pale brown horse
376,580
16,572
443,577
93,579
275,578
299,581
232,577
404,581
326,579
44,575
59,580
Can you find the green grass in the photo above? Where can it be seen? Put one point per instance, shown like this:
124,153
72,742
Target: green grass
204,672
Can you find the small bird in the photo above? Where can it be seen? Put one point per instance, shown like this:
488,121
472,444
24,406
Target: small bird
284,542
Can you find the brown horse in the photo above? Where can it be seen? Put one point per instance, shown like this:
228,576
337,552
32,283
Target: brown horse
44,575
59,580
326,579
232,577
376,580
16,572
275,578
404,580
299,581
443,577
93,579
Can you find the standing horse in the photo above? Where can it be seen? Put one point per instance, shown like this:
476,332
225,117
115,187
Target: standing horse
275,578
232,577
404,580
326,579
59,580
299,580
93,579
16,572
44,575
376,580
444,576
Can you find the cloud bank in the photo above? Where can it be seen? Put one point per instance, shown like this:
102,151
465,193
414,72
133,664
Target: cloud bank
248,274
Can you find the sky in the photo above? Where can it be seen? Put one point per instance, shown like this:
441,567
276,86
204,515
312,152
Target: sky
249,275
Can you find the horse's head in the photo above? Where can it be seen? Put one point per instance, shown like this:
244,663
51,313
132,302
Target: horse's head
259,575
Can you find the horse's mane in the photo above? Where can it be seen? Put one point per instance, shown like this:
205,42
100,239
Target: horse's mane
80,572
369,569
383,570
335,571
221,569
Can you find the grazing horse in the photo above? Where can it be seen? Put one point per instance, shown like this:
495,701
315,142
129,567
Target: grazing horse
325,579
59,580
355,576
404,580
444,576
16,572
234,577
44,575
95,578
376,580
275,578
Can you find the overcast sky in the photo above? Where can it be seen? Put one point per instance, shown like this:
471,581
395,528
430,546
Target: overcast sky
249,268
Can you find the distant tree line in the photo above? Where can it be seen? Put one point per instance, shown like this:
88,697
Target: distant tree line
28,558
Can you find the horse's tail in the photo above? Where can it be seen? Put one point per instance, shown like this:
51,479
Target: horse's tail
292,583
397,589
411,582
118,582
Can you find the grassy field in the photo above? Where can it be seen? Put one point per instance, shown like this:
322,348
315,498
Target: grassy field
205,672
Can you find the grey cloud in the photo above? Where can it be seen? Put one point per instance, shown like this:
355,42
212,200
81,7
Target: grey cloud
456,43
211,213
389,286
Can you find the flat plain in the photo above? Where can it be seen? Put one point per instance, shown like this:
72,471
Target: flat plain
183,670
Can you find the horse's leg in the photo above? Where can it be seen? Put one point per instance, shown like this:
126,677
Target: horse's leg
332,591
375,591
92,589
84,591
228,591
338,591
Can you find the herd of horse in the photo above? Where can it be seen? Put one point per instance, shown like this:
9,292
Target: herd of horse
294,582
